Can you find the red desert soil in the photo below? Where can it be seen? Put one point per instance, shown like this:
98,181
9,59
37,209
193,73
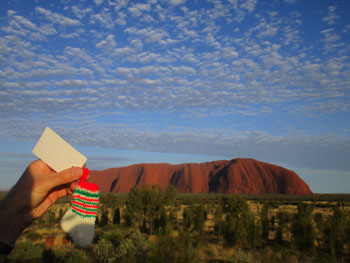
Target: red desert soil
231,176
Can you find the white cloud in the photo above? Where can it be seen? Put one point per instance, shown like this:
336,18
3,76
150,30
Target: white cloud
137,43
183,70
72,83
330,106
11,12
152,70
298,150
150,34
211,40
242,7
104,18
121,20
249,5
108,43
125,51
80,13
70,35
137,9
176,2
291,36
25,22
265,29
331,39
331,17
229,53
47,29
127,72
147,19
57,18
42,73
119,4
98,2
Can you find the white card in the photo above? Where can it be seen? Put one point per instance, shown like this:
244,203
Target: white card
56,152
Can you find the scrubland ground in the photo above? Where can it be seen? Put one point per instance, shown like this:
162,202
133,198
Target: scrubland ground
157,225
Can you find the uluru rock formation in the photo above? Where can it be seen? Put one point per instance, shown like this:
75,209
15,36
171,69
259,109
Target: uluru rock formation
231,176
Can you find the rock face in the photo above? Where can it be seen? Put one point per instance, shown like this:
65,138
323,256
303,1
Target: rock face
234,176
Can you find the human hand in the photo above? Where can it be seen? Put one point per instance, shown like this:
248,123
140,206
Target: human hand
38,188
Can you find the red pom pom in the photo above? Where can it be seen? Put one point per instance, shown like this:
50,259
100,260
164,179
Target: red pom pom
85,174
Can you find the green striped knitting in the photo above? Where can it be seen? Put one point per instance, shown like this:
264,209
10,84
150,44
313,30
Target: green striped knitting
79,220
85,199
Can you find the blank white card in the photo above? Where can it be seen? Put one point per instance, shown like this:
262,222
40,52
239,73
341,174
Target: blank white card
56,152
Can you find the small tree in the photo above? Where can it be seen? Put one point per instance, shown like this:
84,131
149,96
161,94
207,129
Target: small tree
303,228
145,204
104,218
320,225
335,232
239,227
265,223
218,222
187,218
200,216
161,224
219,227
116,217
283,220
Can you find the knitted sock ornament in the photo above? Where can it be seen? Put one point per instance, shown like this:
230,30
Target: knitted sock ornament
79,220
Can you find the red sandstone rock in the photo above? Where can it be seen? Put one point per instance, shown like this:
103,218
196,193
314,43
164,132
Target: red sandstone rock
234,176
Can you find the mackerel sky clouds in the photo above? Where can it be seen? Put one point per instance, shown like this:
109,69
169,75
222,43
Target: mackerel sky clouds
179,81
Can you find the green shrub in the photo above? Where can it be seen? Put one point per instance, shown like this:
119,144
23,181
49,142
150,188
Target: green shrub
32,235
78,256
241,256
132,249
169,249
27,251
104,251
115,236
48,256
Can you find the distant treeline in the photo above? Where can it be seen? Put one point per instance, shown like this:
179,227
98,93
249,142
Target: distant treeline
151,224
184,198
215,197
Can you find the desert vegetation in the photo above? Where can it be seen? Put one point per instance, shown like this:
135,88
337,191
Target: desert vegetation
152,224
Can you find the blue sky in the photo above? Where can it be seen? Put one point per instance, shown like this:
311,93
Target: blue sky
179,81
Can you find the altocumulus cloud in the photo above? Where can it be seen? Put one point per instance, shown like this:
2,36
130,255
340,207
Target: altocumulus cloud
223,78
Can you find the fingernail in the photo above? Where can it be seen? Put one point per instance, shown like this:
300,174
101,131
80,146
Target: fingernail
76,171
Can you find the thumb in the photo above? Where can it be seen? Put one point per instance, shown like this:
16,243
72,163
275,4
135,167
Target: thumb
64,177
